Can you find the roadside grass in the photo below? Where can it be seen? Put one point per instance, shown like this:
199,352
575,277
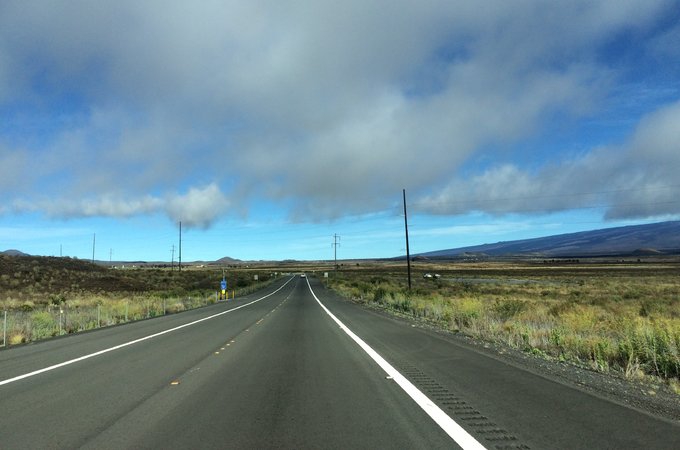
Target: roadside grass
33,322
47,297
624,319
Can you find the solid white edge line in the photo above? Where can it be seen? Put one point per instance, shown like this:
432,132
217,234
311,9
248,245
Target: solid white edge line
126,344
446,423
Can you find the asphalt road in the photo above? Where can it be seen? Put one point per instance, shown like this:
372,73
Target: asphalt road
276,370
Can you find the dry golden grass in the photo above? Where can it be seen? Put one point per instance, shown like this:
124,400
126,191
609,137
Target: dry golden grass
611,316
45,297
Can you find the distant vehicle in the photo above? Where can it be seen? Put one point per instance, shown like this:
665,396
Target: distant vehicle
429,275
303,276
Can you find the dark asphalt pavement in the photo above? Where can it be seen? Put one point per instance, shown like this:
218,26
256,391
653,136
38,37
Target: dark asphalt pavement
281,373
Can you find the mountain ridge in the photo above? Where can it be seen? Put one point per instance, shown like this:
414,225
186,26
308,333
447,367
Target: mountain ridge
656,238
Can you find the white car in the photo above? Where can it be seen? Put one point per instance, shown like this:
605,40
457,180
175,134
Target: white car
303,276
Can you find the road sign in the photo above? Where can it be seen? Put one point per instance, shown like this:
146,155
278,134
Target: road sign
223,285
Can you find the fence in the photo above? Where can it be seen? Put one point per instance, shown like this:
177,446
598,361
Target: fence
19,326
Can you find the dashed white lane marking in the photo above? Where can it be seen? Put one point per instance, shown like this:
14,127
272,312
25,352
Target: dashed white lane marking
446,423
126,344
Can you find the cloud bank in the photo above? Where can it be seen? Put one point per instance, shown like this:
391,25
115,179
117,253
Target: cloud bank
130,108
198,208
633,180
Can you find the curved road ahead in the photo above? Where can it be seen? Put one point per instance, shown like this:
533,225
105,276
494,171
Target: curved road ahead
294,366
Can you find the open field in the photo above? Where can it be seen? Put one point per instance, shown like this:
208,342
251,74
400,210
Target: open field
620,316
610,316
46,297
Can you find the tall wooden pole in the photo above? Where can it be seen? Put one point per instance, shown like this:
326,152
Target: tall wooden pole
408,253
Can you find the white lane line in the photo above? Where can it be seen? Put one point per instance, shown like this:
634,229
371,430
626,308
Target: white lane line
446,423
126,344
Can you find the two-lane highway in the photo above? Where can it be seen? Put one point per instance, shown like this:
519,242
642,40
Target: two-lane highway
275,373
294,367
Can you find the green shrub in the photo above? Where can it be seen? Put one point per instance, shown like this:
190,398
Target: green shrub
508,308
404,305
57,299
379,294
556,338
43,325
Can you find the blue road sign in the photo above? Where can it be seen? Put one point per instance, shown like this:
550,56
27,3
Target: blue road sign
224,284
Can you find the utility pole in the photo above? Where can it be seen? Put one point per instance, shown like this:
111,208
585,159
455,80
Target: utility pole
94,239
408,253
335,249
172,258
180,246
110,255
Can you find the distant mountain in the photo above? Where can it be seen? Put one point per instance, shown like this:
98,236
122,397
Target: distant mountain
228,260
656,238
14,253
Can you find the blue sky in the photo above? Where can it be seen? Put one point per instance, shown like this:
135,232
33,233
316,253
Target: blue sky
267,127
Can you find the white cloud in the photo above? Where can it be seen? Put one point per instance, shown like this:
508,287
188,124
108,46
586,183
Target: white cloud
107,206
329,108
199,207
657,138
13,166
635,180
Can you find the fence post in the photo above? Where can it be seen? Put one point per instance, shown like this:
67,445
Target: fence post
61,317
99,322
127,303
4,330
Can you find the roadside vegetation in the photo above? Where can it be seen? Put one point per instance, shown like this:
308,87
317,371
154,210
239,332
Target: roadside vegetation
46,297
621,317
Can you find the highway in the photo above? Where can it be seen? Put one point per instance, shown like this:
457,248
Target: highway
294,366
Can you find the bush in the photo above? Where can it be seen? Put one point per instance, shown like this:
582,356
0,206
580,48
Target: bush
43,325
379,294
57,299
17,338
466,311
403,304
509,308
